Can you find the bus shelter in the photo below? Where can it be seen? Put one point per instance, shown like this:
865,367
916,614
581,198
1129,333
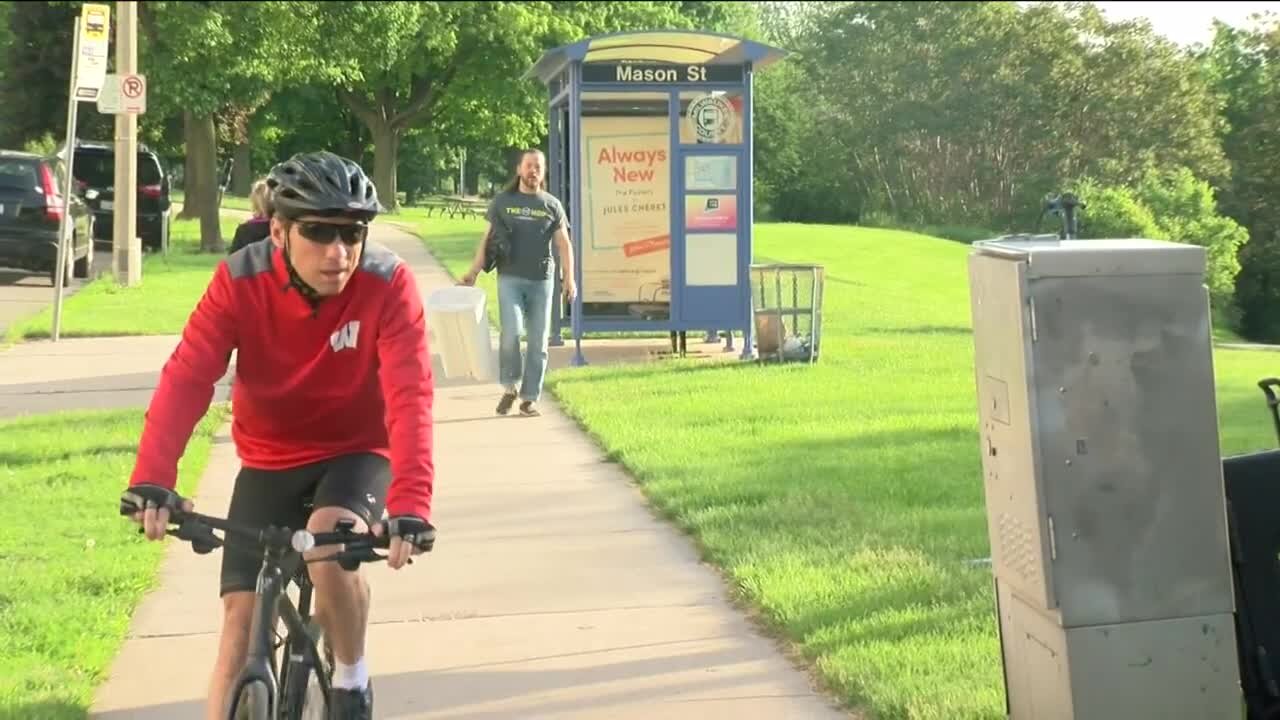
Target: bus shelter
650,151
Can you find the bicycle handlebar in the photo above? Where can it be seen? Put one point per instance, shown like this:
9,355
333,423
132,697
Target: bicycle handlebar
197,529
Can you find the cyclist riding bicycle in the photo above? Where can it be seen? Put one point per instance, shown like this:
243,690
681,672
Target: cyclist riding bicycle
333,404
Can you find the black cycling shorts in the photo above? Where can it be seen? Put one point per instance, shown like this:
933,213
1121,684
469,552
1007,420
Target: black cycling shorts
284,497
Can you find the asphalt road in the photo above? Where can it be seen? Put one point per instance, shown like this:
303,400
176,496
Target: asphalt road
23,294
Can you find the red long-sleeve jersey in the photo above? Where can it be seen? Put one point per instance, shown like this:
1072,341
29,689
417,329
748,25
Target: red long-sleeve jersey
351,375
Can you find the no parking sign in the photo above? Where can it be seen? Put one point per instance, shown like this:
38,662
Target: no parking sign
124,95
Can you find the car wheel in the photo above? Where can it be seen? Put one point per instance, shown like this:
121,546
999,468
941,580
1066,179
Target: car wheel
154,241
53,277
84,266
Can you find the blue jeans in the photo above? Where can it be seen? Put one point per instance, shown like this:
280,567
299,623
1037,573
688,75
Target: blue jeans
524,302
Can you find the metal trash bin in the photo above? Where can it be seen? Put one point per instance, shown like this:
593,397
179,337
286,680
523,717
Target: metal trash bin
786,304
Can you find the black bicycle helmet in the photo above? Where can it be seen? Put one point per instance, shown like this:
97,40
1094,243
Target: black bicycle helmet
324,184
321,183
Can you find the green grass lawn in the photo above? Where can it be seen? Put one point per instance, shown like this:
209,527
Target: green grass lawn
229,201
73,568
844,500
236,202
171,286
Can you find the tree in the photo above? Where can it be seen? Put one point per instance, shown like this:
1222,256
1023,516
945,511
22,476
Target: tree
37,73
793,25
1244,68
238,120
971,112
6,34
304,118
792,119
205,57
456,67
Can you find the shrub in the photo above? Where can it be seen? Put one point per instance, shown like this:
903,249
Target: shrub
1173,205
1185,209
43,145
1259,290
1115,212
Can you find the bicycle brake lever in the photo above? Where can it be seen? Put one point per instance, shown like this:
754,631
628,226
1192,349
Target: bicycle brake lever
201,537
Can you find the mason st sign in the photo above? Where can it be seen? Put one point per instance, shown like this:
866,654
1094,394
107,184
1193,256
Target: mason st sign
660,74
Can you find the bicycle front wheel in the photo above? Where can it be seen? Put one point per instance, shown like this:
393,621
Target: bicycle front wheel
304,697
307,701
253,702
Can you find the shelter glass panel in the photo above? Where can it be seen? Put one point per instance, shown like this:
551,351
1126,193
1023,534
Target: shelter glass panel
626,205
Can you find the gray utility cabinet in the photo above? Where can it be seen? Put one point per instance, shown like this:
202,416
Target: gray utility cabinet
1103,479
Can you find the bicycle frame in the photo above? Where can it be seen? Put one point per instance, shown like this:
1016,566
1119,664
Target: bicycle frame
272,602
284,561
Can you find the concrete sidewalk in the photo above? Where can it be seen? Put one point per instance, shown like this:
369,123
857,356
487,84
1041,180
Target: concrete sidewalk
42,376
553,592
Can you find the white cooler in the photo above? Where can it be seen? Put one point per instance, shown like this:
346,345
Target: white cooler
460,333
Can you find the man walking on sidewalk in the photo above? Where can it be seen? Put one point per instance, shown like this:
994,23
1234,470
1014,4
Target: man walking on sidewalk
523,221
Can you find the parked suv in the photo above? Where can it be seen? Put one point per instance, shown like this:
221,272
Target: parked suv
31,208
95,172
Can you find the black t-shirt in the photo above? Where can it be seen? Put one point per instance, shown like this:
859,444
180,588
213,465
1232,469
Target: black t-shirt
250,231
528,221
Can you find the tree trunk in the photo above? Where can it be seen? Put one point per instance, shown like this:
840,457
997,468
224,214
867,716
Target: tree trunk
471,184
388,126
204,150
354,142
386,158
242,169
191,181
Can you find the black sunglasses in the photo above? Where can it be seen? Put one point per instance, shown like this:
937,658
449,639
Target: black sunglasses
326,233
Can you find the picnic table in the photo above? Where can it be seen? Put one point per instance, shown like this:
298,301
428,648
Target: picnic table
457,207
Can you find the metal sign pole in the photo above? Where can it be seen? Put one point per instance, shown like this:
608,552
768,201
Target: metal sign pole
126,265
60,273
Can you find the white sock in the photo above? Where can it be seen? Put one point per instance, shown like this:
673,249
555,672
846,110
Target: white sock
351,677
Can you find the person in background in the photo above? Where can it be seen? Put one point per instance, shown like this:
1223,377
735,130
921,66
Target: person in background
257,227
531,220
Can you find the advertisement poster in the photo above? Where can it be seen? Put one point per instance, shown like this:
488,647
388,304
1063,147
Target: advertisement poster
626,208
710,172
711,212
